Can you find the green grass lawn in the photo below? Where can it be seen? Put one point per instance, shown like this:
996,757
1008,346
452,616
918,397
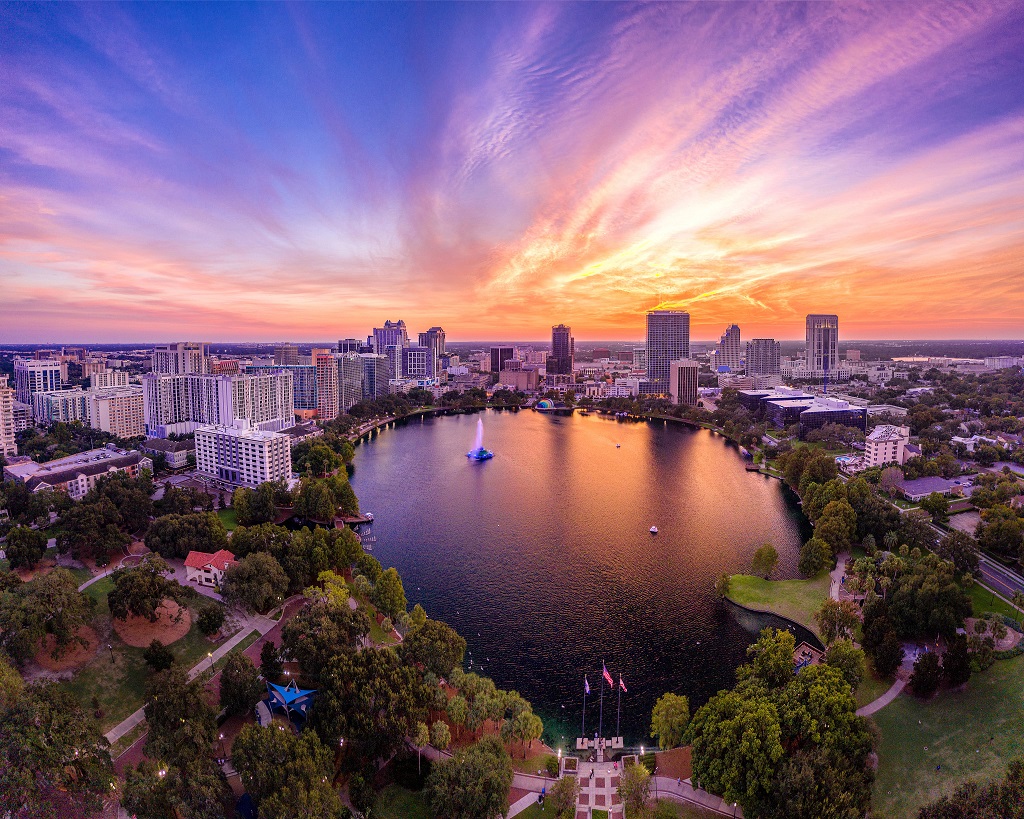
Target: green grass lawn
797,600
228,518
871,687
984,600
120,685
81,575
972,734
686,811
396,802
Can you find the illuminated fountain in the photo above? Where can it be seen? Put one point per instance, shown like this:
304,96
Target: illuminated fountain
478,453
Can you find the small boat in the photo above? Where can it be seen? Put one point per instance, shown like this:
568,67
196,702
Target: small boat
618,446
654,530
368,515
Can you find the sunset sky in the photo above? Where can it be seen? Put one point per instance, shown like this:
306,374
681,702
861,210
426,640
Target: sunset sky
302,172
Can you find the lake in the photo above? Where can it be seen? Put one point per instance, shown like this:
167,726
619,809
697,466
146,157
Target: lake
543,560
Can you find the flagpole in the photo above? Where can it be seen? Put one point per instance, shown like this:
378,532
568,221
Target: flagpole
618,709
583,727
600,726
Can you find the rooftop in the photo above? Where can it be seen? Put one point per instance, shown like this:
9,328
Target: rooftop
166,445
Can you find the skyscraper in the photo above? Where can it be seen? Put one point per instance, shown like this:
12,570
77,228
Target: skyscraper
499,355
563,351
32,376
434,339
181,358
286,355
375,375
350,380
822,342
326,367
8,446
668,339
348,345
683,382
418,361
763,357
392,334
729,352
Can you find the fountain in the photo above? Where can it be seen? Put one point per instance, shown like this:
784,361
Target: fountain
478,453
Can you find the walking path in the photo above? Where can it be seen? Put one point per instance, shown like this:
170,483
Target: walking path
882,701
599,788
837,575
683,791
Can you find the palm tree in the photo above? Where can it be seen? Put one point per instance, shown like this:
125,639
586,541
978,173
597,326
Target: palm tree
890,540
1018,601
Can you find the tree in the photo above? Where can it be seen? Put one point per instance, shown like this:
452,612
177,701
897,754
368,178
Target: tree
669,718
287,774
270,662
140,590
836,619
316,501
50,604
318,633
256,583
837,525
417,617
474,784
92,530
888,656
332,591
961,549
458,711
936,505
440,736
388,595
240,687
846,658
815,557
182,725
635,788
158,656
956,662
991,799
1001,531
770,659
927,674
563,797
722,585
766,558
436,646
420,738
159,790
210,618
51,750
177,535
25,547
891,479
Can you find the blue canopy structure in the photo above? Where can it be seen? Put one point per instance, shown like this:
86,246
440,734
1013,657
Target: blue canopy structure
290,698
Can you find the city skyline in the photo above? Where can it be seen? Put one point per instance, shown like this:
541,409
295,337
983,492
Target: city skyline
274,172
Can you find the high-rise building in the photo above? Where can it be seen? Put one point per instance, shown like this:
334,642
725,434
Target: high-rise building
91,368
349,345
286,355
729,353
434,339
683,381
35,375
885,444
499,355
376,376
764,356
822,343
392,334
304,382
242,455
117,410
350,380
107,379
181,358
418,361
325,366
668,339
8,446
67,406
563,351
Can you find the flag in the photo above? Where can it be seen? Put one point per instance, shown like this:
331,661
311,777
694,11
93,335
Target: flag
622,685
586,685
607,676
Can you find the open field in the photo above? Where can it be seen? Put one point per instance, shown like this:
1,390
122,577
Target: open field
871,687
796,600
984,600
396,802
686,811
228,518
971,734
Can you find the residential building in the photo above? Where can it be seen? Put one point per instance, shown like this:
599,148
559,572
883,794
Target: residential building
683,381
67,406
303,432
668,339
242,455
853,355
181,403
91,368
563,351
105,379
499,355
376,375
325,366
885,444
918,489
350,380
175,452
181,358
8,445
118,410
764,357
304,383
601,353
729,352
22,416
639,358
287,355
77,474
208,569
34,375
822,337
224,366
521,380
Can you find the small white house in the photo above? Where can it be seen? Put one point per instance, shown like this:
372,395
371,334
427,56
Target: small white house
208,569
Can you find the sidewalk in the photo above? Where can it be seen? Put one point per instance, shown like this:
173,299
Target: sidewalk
882,701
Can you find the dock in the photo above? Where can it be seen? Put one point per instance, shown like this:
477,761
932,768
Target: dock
352,520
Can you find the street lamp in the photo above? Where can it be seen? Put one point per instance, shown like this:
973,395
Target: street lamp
734,810
210,655
110,648
655,775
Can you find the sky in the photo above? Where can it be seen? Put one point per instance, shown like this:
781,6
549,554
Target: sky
270,171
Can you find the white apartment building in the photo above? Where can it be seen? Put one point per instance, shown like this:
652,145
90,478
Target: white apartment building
8,446
241,455
182,403
61,405
117,410
181,358
32,376
885,445
106,379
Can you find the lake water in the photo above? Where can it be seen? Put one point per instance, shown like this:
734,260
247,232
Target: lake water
542,558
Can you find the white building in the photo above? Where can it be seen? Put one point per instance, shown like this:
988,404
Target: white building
885,445
208,569
764,357
77,474
117,410
61,405
729,353
106,379
182,358
242,455
8,446
822,337
683,381
32,376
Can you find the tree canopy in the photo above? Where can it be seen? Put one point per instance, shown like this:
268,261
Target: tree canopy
474,784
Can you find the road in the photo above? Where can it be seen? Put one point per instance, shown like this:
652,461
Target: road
995,576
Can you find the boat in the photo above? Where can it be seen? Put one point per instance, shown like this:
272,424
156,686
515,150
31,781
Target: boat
654,530
618,446
368,516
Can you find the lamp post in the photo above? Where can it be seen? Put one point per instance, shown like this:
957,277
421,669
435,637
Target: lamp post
110,648
734,810
210,655
655,775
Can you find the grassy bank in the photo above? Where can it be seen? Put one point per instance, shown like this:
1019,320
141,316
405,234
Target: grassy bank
984,600
797,600
971,734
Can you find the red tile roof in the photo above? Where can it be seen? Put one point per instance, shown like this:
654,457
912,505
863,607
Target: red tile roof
219,560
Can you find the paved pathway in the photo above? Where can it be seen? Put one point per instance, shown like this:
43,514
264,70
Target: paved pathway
599,788
837,575
684,792
882,701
